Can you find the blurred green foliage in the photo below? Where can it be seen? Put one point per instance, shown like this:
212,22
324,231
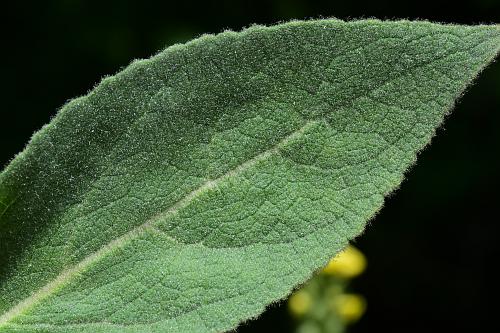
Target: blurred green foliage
324,304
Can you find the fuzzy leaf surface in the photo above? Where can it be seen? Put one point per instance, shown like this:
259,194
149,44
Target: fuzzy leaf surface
192,189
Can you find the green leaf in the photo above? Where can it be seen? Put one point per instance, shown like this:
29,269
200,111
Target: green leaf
190,190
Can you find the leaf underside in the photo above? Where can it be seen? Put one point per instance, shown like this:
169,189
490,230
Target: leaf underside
190,190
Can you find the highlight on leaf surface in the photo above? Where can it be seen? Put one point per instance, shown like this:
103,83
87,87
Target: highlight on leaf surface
190,190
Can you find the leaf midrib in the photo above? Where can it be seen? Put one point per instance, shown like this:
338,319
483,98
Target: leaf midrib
67,275
342,105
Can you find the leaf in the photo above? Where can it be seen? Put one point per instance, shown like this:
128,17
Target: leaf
190,190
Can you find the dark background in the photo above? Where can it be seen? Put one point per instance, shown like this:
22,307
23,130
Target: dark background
432,251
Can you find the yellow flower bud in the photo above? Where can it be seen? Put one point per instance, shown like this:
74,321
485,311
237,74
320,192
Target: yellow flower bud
349,307
300,302
347,264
